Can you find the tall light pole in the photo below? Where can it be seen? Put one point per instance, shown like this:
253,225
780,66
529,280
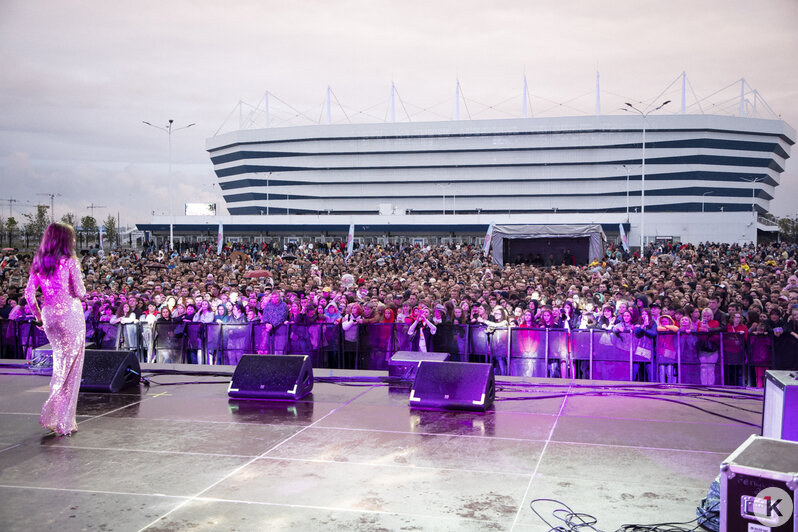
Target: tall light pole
702,199
629,107
169,128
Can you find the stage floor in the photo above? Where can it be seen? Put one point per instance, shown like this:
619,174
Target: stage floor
182,457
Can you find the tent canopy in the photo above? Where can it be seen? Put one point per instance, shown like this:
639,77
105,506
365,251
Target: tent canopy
586,241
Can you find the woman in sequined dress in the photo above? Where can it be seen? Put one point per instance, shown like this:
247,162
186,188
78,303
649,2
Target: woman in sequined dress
56,271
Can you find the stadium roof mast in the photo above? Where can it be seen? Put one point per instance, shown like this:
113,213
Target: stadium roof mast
266,107
393,102
526,91
598,94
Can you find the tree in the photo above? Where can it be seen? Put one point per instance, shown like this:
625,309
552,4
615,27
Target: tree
69,218
88,225
11,225
36,224
788,227
111,232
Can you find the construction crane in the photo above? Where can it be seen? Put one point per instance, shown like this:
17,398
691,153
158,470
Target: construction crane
12,201
92,207
52,203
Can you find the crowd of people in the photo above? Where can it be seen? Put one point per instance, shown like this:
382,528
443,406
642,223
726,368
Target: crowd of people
711,288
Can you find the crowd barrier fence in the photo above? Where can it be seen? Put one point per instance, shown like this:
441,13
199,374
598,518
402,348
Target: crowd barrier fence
685,358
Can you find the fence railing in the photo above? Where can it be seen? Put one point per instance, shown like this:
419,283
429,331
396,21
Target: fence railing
691,358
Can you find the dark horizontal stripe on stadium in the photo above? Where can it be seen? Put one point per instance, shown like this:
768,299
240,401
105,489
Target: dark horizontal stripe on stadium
675,207
739,145
693,175
689,191
717,160
651,131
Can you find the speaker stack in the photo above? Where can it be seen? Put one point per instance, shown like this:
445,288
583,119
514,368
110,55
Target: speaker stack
272,377
453,385
109,371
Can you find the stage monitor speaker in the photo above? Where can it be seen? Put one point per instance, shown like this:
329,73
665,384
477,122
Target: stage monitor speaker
272,377
455,385
780,414
404,364
109,371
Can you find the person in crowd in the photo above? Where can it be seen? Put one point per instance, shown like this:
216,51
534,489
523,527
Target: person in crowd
645,333
761,349
607,319
221,314
708,346
666,349
421,329
275,313
205,314
238,315
350,324
497,326
571,316
734,347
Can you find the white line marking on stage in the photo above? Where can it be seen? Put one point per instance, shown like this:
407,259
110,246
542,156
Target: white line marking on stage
10,447
104,492
339,509
540,459
241,467
150,451
504,438
404,466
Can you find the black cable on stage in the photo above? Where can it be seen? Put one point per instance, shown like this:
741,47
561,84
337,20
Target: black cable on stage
576,521
185,382
641,396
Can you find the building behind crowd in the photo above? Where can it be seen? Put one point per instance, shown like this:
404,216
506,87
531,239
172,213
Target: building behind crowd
707,178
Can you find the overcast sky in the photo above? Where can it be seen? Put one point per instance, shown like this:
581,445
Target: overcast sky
79,77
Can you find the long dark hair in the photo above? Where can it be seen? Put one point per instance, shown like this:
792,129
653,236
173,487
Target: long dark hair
58,241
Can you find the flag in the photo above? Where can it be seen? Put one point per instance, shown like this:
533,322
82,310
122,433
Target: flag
488,236
350,241
101,252
220,239
624,240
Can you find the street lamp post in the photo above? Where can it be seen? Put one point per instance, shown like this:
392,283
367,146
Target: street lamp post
702,199
627,191
753,181
629,107
169,128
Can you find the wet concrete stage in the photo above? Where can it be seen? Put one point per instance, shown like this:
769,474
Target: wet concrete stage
182,457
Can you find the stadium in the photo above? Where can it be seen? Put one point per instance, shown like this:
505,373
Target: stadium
695,177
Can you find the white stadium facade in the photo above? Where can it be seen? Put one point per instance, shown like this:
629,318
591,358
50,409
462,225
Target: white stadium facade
695,177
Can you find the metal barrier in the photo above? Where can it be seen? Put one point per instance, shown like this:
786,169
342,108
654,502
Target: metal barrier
686,358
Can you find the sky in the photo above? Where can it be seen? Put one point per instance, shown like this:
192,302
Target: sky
80,77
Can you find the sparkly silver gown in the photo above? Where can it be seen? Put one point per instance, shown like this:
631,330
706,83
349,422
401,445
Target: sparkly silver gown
65,327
